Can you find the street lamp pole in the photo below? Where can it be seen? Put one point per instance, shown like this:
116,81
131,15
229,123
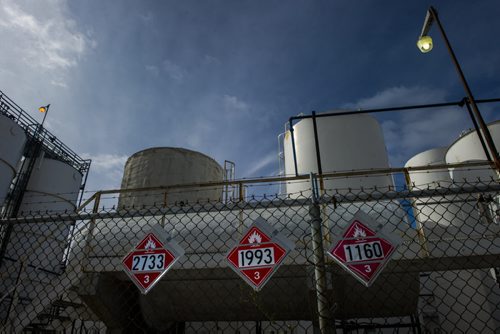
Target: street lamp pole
45,110
425,45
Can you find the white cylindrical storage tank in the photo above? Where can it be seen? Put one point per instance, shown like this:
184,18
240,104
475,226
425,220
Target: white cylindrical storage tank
468,148
429,211
351,142
52,189
167,166
432,178
12,140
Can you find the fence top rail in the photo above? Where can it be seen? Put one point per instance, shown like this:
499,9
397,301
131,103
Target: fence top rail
286,178
277,202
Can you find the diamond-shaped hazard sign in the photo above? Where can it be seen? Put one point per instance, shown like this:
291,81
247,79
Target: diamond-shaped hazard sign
363,249
259,253
151,258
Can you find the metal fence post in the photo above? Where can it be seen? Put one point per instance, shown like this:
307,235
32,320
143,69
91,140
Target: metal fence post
319,259
88,248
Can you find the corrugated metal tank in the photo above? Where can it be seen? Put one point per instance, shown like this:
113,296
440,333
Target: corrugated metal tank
12,140
52,188
167,166
352,142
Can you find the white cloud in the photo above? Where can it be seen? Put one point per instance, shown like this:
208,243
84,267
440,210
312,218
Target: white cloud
400,96
146,17
210,60
41,39
173,70
410,132
265,161
106,170
50,42
233,104
106,162
58,83
152,69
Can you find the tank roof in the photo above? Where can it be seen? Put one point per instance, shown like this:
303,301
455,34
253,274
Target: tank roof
168,148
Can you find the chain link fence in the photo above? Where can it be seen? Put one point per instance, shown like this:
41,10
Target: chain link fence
63,273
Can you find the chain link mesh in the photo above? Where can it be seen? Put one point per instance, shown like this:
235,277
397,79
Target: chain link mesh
62,272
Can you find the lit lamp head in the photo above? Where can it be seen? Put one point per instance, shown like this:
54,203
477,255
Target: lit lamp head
44,108
424,44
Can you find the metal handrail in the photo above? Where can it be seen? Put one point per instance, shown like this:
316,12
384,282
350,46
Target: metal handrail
50,143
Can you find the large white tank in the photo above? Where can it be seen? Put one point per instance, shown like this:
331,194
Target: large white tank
12,140
437,210
52,189
352,142
468,148
167,166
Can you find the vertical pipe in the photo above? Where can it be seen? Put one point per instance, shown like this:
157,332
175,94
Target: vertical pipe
420,228
87,248
241,192
84,183
293,149
316,145
320,170
281,159
318,154
7,231
319,260
73,326
15,293
240,214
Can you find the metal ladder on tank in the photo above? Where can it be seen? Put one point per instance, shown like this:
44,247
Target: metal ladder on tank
229,192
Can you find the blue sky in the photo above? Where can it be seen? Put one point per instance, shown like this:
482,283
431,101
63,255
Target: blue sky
222,77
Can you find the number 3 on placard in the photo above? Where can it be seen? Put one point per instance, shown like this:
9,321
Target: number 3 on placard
256,275
368,269
146,279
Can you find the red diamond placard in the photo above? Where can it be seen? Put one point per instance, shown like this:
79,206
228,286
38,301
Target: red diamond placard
151,258
258,254
363,250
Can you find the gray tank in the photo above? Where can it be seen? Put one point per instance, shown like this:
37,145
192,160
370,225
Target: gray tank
169,166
